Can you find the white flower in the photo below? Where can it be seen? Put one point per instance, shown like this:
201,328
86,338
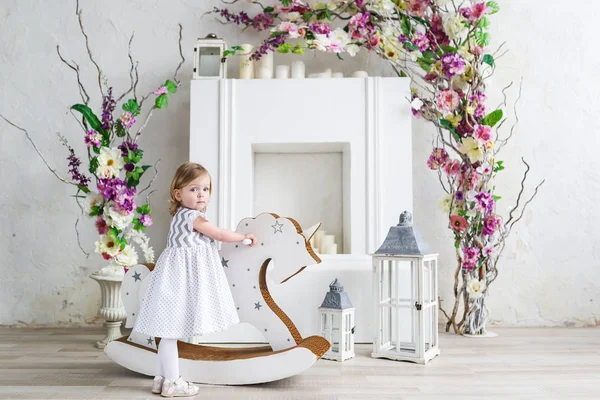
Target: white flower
128,257
415,55
107,245
471,148
289,27
454,27
110,162
291,16
92,200
116,219
352,49
321,42
385,7
446,201
470,195
475,288
489,250
458,82
417,103
465,54
142,240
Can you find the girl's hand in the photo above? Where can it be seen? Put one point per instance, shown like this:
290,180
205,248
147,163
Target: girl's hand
252,238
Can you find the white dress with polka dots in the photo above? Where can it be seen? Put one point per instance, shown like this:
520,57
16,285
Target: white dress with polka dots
188,293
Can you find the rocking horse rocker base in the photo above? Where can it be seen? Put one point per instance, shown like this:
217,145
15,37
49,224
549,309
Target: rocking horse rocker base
224,365
283,246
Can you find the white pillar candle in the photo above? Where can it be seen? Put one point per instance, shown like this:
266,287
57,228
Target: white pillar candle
360,74
317,238
264,73
326,240
298,70
337,75
266,61
313,75
246,64
282,72
331,249
327,73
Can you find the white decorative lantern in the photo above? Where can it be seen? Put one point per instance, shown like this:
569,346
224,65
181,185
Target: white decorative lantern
209,62
405,296
336,321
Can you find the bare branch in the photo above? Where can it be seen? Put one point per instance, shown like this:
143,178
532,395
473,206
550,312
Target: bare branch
38,151
181,54
504,141
148,196
153,178
87,45
133,69
82,92
79,241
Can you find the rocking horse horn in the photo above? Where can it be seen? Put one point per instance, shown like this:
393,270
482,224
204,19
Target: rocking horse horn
310,232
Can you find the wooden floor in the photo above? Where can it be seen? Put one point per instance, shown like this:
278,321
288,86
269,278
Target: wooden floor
519,364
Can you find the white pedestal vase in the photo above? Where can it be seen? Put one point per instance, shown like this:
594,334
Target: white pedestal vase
111,309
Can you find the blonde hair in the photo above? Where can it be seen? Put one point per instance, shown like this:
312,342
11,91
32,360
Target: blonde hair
185,174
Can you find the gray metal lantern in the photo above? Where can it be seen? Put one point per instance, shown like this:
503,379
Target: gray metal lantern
209,62
336,321
405,296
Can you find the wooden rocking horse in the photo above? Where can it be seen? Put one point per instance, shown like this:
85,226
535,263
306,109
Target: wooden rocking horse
256,276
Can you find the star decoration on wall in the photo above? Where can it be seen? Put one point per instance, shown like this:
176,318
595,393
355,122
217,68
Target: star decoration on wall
150,341
224,262
277,227
257,306
137,277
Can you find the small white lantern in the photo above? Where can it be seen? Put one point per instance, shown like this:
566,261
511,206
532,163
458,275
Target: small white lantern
209,61
336,321
405,296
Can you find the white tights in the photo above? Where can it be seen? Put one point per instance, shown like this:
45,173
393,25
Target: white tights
168,359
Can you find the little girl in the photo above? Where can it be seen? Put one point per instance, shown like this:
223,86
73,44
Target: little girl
188,293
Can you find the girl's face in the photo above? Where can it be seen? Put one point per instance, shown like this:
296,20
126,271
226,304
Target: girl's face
196,194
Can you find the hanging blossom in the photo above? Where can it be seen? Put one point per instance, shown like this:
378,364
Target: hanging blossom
93,139
141,240
74,163
127,119
161,90
108,106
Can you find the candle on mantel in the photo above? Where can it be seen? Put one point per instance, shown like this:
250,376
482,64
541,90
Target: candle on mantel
282,72
337,75
265,66
327,73
331,249
317,239
298,70
360,74
246,64
326,241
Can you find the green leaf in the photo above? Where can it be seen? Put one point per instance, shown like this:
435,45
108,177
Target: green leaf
448,49
429,56
489,60
132,107
492,118
96,210
228,53
285,2
298,50
83,189
339,56
284,48
120,130
172,88
405,26
268,9
424,64
496,198
410,46
448,125
90,117
494,6
94,165
484,22
161,101
482,38
328,14
499,166
307,16
422,21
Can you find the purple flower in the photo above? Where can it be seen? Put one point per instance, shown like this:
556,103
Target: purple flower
459,195
471,254
268,45
127,119
469,266
360,3
484,202
74,164
421,41
129,167
93,139
108,187
360,26
262,22
438,158
126,146
490,224
453,64
101,226
161,90
242,18
108,106
321,28
146,220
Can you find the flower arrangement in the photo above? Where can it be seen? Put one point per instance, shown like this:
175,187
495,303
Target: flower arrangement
443,46
107,190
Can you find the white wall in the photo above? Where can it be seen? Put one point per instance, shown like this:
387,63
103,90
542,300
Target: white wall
549,275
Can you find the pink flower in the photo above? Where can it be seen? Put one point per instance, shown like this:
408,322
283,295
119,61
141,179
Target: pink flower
490,224
127,119
484,201
373,41
101,226
477,50
470,254
478,10
452,168
161,90
290,28
448,100
417,8
483,133
437,158
469,179
146,220
93,139
469,266
458,223
421,41
453,64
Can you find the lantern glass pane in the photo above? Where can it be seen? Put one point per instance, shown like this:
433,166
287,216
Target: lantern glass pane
209,61
336,322
386,326
347,325
428,326
324,326
335,344
385,281
427,289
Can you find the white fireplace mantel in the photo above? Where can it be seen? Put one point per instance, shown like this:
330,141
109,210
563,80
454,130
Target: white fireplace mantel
368,120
